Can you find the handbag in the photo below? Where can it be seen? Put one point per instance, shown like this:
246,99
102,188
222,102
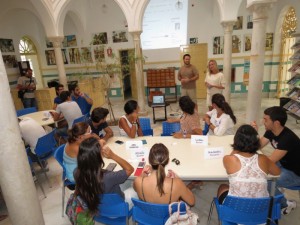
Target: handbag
77,211
21,94
186,217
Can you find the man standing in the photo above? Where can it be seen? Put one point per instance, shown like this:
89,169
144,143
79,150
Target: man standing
187,75
27,83
82,99
98,123
286,154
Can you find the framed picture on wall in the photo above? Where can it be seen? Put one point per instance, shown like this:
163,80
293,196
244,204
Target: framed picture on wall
99,54
247,42
236,43
269,41
64,56
74,56
10,61
49,44
218,45
70,41
50,57
119,36
194,40
86,55
100,39
249,22
238,24
7,45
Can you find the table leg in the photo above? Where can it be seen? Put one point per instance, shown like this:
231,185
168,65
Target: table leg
153,115
165,112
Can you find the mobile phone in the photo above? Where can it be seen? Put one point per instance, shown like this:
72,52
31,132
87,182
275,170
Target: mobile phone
141,164
111,166
119,142
144,142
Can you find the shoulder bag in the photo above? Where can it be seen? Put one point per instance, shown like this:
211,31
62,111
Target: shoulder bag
186,217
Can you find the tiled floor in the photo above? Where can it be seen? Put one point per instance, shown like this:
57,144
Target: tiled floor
51,205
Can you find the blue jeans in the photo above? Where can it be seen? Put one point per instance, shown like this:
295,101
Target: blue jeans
29,102
287,179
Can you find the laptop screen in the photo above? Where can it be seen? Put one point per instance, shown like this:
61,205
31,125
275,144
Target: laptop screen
158,99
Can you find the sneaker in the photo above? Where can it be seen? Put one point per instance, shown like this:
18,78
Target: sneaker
291,205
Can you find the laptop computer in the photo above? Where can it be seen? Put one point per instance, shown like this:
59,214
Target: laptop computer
158,100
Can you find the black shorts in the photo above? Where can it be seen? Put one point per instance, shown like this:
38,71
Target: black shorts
222,197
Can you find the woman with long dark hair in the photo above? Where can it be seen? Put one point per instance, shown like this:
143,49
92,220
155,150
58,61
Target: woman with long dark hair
92,179
155,186
221,119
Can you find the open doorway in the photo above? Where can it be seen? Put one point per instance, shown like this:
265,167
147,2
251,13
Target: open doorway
28,53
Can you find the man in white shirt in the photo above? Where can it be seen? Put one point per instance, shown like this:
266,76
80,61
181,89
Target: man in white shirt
31,131
69,110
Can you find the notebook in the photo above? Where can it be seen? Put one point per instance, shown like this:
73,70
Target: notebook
158,100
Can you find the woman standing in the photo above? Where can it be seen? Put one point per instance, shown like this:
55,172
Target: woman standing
154,186
221,119
129,124
214,81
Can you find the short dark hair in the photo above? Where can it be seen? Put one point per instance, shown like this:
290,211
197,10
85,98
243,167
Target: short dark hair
187,105
246,139
186,55
64,95
130,106
58,86
72,87
276,113
98,114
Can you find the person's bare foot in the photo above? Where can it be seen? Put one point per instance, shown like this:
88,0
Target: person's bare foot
195,183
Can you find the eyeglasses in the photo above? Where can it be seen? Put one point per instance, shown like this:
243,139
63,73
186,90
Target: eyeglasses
176,161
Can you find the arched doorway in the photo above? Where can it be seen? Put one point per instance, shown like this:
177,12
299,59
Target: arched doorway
287,41
28,53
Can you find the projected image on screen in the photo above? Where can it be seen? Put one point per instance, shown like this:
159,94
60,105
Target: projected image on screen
164,24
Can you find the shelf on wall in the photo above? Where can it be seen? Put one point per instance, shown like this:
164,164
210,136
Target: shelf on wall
296,45
295,81
293,107
296,56
295,67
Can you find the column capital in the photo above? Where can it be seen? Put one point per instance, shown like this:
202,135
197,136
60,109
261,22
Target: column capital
56,40
260,8
228,26
136,35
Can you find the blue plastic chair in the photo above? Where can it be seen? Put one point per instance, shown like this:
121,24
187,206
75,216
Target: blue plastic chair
146,126
170,128
247,211
45,148
112,210
82,118
145,213
59,156
25,111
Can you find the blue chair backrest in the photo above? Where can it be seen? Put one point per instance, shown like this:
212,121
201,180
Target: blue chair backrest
25,111
46,144
246,211
112,210
170,128
59,156
146,126
83,118
149,213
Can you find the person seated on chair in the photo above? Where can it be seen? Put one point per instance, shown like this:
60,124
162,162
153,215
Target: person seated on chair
154,186
129,124
59,88
79,132
286,152
31,131
247,170
189,121
92,179
68,110
221,119
98,123
82,99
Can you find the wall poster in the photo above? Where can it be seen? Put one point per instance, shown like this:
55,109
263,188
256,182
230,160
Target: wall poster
218,45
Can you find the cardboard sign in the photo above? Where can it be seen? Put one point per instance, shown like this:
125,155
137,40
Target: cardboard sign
199,140
214,153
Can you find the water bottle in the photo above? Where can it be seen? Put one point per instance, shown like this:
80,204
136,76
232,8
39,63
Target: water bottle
184,133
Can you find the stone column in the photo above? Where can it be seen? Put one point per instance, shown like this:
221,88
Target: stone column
228,27
16,180
257,60
59,59
139,71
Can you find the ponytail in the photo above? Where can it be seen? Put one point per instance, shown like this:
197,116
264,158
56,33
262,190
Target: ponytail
160,179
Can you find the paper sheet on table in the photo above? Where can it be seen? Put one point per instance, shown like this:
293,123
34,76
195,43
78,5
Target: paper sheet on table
137,150
199,140
213,153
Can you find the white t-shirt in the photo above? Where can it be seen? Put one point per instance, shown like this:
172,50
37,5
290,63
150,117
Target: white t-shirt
215,79
122,131
223,125
31,131
70,111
